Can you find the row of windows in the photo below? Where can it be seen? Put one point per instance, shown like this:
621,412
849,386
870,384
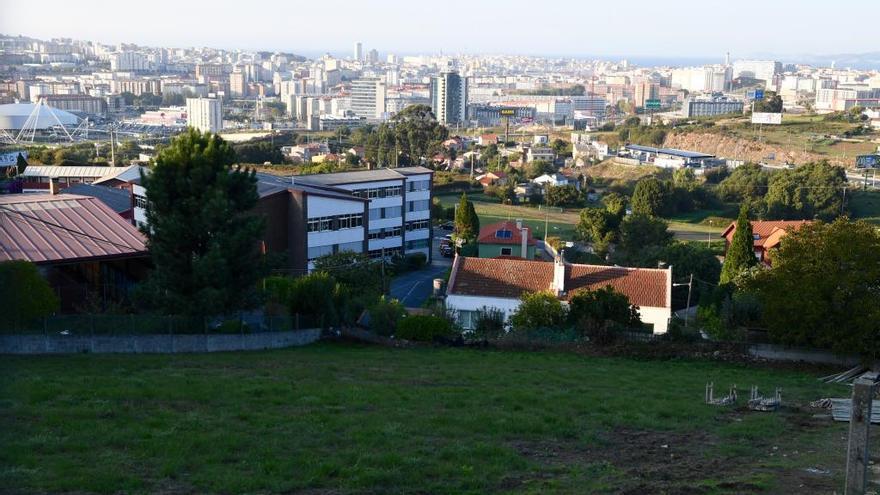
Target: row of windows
377,253
383,233
387,212
337,222
418,225
379,192
418,185
318,251
140,201
420,205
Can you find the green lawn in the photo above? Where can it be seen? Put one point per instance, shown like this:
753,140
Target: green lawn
333,418
865,205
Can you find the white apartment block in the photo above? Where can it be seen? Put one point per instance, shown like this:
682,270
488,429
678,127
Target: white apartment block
368,98
204,114
399,210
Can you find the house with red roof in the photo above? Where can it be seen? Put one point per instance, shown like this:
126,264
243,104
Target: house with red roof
767,235
80,244
508,239
492,179
476,284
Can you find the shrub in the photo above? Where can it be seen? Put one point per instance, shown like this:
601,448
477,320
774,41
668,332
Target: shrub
384,316
25,294
538,310
488,324
424,328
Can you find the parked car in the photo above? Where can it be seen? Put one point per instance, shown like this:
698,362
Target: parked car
446,250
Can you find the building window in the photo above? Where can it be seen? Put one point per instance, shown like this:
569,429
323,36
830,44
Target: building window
318,251
417,244
140,202
418,185
420,205
506,251
323,224
417,225
391,212
503,234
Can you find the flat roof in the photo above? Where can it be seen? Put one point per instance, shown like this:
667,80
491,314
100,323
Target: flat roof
268,184
668,151
358,176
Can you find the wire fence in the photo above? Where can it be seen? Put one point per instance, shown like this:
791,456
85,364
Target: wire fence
143,324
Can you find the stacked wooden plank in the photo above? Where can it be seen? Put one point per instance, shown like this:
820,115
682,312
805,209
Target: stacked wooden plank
841,410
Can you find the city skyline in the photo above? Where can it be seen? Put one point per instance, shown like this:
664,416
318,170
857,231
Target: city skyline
518,28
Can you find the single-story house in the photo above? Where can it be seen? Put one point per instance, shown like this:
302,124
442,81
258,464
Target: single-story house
507,238
80,245
767,235
554,180
492,179
487,139
499,283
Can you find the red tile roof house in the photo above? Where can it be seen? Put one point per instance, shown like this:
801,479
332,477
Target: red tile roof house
79,244
492,178
499,283
767,235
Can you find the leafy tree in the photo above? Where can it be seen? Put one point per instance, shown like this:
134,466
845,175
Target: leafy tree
772,103
615,203
25,293
417,133
202,238
538,168
591,309
747,182
258,152
355,270
385,315
561,147
567,195
424,328
467,224
538,310
640,235
741,252
20,164
823,288
686,259
814,190
599,227
649,197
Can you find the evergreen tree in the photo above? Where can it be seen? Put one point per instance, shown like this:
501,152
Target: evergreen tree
20,164
741,252
649,197
201,235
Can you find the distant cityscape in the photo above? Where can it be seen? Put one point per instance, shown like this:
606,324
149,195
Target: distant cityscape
159,90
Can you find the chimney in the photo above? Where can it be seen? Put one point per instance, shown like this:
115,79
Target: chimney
519,223
524,233
558,275
53,186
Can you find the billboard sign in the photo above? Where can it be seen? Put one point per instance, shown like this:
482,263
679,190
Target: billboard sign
755,94
766,118
652,104
868,161
507,112
9,159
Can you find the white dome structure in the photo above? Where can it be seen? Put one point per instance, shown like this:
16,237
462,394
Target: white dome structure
16,116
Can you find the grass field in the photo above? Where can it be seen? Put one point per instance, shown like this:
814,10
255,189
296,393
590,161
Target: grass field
333,418
866,206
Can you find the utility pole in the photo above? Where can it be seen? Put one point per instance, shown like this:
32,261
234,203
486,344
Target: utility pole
688,306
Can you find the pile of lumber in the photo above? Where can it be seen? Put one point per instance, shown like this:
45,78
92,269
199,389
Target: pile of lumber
841,410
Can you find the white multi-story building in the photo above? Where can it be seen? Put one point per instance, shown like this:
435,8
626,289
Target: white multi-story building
359,51
762,70
368,98
399,211
128,62
449,97
204,114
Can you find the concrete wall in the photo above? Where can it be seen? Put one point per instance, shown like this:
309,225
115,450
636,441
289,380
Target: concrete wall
776,352
68,344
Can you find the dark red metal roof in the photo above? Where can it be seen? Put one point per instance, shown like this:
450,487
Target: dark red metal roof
63,228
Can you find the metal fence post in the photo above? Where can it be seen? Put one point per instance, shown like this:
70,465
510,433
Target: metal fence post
859,426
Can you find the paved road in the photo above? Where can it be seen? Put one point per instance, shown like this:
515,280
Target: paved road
413,288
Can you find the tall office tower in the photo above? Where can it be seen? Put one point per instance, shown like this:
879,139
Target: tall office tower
359,51
449,97
368,98
645,91
373,56
204,114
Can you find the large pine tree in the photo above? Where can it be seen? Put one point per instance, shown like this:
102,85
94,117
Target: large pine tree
741,252
466,221
201,236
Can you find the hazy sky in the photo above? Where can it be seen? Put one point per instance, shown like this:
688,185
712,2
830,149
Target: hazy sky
634,28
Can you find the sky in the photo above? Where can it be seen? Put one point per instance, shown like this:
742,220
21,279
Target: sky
581,28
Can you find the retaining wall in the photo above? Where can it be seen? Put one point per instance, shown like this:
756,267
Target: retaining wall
154,343
775,352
